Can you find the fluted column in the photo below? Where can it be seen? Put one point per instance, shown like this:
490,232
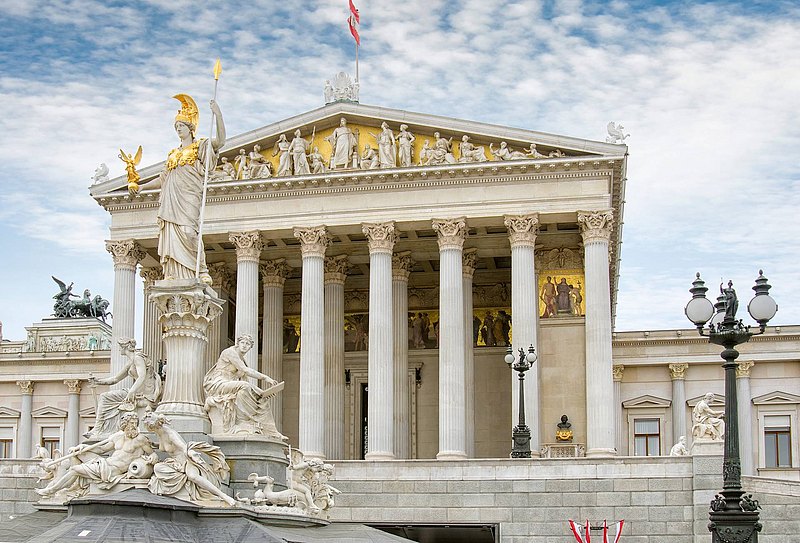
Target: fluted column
248,251
380,410
617,371
151,329
72,433
25,430
313,242
335,274
221,282
469,265
402,263
126,254
522,231
596,232
273,278
744,398
186,312
677,373
452,414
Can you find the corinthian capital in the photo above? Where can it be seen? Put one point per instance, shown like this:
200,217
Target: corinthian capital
618,370
402,264
25,386
596,225
220,275
126,253
151,275
313,240
522,229
248,245
381,236
274,272
452,232
336,268
469,262
73,386
678,371
743,368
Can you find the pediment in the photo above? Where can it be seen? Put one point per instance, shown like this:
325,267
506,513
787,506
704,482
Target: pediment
49,411
365,122
718,400
8,413
87,412
776,398
646,401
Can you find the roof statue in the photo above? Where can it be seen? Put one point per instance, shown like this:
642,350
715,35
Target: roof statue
131,162
616,133
100,174
85,307
341,89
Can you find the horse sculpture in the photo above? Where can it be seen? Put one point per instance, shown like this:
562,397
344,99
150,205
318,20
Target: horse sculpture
86,307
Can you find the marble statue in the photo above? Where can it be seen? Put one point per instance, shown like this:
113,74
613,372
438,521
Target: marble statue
329,93
470,152
226,172
387,150
185,472
343,143
564,432
126,446
533,152
309,479
405,146
440,153
131,162
100,174
707,424
268,496
317,161
342,88
281,150
679,449
234,404
616,133
370,159
298,149
143,394
505,153
556,153
240,164
425,154
181,183
259,166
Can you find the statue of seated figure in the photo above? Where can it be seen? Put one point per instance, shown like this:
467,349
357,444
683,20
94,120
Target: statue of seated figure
707,424
233,403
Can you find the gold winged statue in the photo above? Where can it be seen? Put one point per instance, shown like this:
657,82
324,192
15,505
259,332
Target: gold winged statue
130,166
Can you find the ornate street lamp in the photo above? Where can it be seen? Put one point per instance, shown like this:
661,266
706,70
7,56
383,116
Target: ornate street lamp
733,516
521,433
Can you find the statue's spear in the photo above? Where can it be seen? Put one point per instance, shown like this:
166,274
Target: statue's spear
217,72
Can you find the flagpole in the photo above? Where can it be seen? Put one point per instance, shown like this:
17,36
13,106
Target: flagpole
217,72
356,62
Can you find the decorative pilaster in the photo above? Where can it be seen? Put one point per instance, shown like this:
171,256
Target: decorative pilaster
126,254
25,430
617,370
248,251
313,242
452,412
380,417
469,265
677,373
335,274
273,278
596,231
72,434
402,263
743,398
187,309
222,281
151,330
522,231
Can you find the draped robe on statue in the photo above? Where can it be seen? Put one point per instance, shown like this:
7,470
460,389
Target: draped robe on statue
179,215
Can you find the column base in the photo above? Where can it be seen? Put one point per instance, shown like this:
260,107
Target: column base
707,448
379,455
186,419
601,453
451,455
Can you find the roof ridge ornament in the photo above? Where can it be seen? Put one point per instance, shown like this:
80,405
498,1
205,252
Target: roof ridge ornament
341,89
616,133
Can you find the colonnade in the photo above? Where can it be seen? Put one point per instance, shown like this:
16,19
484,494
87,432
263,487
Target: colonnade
321,394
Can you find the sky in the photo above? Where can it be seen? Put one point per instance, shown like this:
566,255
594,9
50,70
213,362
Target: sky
707,90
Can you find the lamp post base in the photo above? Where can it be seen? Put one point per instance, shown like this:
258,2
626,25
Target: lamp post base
734,526
522,442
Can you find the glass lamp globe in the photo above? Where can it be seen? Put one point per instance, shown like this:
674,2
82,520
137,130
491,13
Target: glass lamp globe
531,356
509,358
762,307
699,310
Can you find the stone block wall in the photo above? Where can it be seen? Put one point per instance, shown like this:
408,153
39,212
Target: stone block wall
17,481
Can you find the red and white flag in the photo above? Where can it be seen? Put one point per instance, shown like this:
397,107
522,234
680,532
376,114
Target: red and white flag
618,534
581,533
353,21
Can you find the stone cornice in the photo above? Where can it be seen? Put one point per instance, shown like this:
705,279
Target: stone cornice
380,236
126,253
248,245
451,232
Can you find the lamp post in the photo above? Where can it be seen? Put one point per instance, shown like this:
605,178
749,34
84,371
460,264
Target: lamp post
521,434
733,515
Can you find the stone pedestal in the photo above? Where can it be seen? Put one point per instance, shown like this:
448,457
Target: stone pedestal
707,448
253,454
187,308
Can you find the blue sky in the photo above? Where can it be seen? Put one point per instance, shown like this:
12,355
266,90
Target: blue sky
707,90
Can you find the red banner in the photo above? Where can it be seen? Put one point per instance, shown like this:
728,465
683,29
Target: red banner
353,30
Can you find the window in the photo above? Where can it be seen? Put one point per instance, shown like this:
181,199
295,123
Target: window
6,442
51,439
777,441
646,437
